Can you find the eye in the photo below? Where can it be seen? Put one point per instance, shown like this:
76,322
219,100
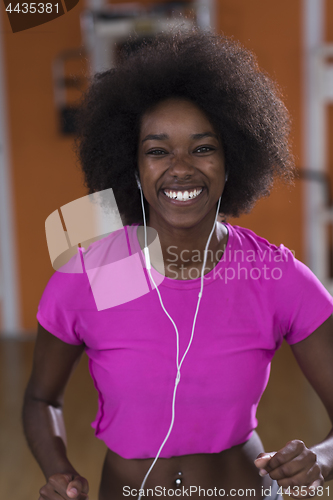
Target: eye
205,149
156,152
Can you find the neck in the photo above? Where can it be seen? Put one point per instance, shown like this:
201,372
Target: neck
183,248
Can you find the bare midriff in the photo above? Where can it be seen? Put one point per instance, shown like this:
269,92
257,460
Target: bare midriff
230,473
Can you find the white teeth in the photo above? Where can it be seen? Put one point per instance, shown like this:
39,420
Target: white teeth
183,196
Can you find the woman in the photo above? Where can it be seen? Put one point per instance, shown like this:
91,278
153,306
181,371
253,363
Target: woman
189,126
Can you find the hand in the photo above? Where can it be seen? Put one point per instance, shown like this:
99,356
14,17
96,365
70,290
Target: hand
68,486
294,467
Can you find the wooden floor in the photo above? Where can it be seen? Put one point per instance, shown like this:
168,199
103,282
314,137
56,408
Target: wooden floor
288,410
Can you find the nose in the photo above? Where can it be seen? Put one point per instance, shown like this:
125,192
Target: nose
181,165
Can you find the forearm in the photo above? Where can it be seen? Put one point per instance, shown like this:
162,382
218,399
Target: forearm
45,432
324,452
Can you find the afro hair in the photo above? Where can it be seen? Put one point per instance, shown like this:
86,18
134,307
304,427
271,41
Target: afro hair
218,75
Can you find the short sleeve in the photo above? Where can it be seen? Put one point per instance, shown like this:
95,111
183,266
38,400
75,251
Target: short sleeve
303,302
59,305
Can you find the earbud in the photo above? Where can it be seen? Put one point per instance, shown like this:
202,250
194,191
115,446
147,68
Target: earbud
226,176
137,179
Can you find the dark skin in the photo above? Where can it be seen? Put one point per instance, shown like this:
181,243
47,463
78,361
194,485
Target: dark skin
177,157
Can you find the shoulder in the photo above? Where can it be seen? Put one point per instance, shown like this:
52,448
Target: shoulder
247,246
72,283
297,300
275,266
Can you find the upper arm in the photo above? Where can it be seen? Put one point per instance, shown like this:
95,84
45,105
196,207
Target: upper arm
315,358
53,364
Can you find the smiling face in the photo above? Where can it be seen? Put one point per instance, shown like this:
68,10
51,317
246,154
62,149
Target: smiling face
181,165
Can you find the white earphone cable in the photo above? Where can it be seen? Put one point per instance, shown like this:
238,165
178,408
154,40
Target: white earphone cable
178,365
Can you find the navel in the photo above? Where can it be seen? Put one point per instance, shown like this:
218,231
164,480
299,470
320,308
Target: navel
179,480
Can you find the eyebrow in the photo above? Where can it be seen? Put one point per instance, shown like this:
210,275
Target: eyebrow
162,137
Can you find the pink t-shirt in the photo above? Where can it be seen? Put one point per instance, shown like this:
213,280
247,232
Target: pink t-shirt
256,295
